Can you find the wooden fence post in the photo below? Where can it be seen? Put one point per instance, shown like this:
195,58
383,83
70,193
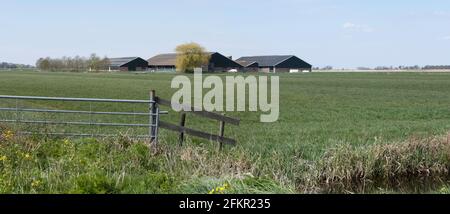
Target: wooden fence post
221,132
153,118
182,124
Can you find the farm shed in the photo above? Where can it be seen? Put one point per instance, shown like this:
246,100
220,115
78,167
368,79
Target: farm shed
279,63
128,64
217,63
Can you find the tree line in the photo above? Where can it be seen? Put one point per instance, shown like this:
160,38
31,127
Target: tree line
381,68
7,65
437,67
415,67
93,63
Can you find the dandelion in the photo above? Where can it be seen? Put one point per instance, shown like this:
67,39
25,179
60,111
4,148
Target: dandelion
27,156
220,190
36,183
8,135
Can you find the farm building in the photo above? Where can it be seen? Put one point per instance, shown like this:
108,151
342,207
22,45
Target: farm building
128,64
275,64
217,63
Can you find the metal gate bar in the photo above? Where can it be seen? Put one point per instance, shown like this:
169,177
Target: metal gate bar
82,135
73,99
74,112
18,117
73,123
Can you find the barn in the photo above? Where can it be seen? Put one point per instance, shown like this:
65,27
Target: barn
128,64
217,63
278,63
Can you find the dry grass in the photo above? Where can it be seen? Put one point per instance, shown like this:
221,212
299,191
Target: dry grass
417,165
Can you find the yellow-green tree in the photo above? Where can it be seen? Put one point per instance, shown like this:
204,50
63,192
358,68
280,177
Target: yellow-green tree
190,56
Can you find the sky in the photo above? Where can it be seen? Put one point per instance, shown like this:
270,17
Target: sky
339,33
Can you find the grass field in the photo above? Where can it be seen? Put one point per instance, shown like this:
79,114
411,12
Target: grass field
322,115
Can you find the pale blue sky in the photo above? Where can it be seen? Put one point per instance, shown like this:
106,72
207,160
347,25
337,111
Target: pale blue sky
342,33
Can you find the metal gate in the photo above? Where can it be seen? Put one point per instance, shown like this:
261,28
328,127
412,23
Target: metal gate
24,110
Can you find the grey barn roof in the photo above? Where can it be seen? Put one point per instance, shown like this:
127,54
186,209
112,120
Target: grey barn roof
266,61
246,63
163,60
117,62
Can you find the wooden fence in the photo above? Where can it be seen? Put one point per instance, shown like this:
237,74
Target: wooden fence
156,123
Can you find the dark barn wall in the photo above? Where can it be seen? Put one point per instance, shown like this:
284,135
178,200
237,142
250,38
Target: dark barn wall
252,68
162,67
220,63
293,63
136,65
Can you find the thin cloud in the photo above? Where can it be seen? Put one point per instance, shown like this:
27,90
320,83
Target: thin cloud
446,38
358,27
441,13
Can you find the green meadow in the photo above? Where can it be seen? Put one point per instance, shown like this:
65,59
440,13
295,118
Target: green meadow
337,132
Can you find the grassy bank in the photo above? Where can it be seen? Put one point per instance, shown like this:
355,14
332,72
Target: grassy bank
48,165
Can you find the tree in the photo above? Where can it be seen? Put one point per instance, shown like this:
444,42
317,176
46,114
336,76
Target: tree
79,64
190,56
94,62
104,63
43,63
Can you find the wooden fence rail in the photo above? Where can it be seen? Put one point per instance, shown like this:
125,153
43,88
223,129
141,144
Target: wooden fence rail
156,123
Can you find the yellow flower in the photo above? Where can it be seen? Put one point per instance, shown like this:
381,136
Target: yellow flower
3,158
35,183
8,135
27,156
220,190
